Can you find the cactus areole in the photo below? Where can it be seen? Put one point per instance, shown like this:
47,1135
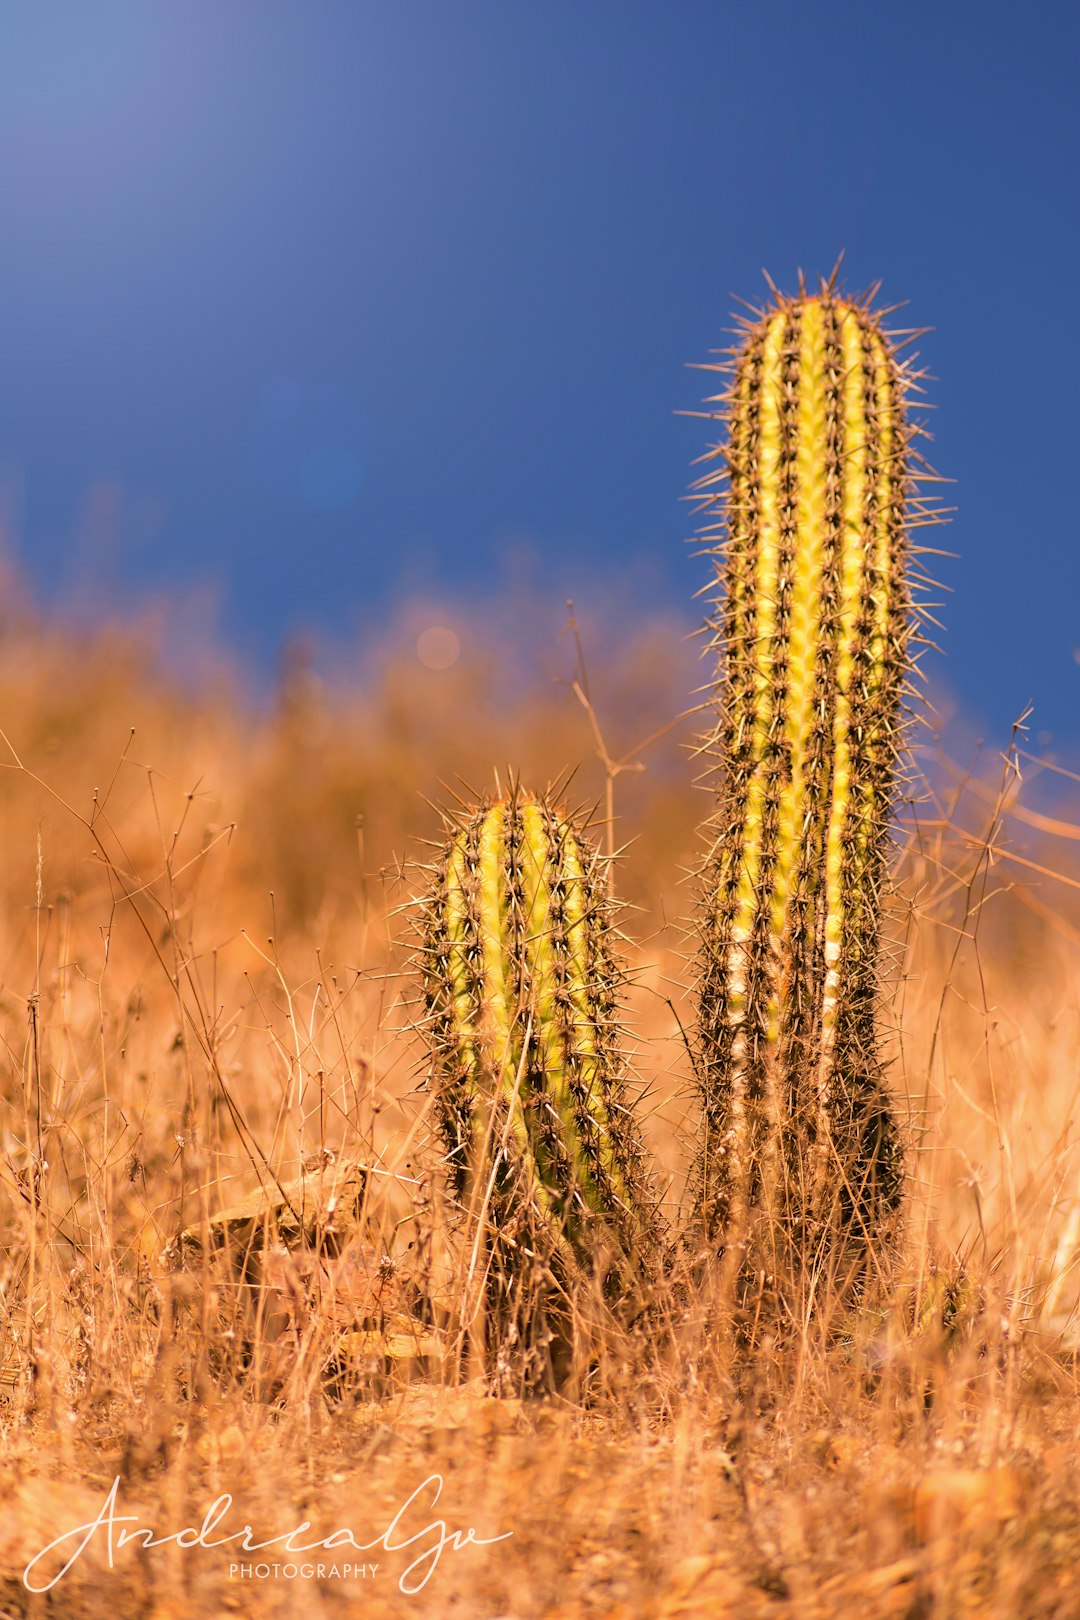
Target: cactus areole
808,510
522,986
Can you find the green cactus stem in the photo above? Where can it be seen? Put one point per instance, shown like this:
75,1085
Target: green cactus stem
809,509
521,988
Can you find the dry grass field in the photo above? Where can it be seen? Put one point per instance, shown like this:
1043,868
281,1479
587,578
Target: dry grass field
204,1015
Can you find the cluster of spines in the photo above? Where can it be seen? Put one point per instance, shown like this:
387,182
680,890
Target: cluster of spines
521,987
817,492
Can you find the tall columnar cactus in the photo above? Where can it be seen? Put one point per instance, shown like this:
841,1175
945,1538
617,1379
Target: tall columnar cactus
810,508
521,985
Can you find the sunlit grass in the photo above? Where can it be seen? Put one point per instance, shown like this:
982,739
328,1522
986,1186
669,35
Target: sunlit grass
201,996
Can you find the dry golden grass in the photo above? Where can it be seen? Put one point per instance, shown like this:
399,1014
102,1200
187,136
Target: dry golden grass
200,990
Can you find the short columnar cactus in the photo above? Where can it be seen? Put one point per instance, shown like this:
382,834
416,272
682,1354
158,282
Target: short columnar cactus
521,986
815,493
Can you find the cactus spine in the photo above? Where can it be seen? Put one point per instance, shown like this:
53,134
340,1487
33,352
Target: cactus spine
521,986
813,640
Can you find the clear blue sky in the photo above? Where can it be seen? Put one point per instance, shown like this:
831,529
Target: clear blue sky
328,301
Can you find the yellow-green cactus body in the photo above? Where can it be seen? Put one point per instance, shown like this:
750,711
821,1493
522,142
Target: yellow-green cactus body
812,641
521,988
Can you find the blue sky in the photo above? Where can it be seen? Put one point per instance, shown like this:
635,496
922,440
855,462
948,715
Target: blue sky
329,302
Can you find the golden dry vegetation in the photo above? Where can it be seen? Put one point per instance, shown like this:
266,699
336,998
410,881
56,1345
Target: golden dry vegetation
202,994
